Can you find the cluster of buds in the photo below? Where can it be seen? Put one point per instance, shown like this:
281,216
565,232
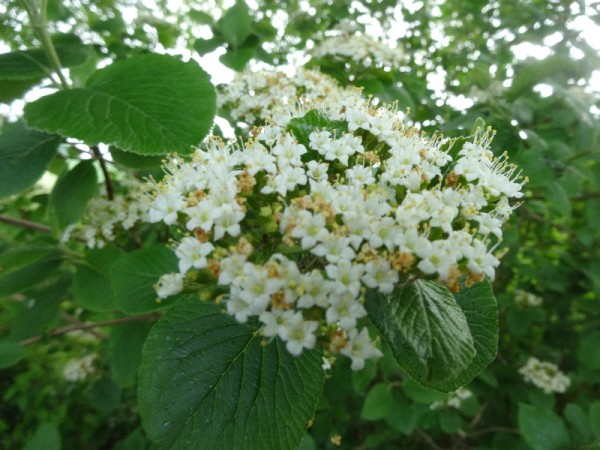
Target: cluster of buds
454,399
105,218
525,299
361,49
547,376
322,205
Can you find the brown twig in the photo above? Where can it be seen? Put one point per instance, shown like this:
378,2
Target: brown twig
25,223
75,321
110,191
87,326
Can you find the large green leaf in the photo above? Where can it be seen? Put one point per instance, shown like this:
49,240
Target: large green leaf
236,24
24,156
34,64
125,350
91,283
73,191
29,275
427,331
541,428
134,275
207,381
10,353
481,310
46,437
149,104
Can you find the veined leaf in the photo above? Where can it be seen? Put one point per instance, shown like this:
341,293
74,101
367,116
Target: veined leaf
207,381
73,191
149,104
427,331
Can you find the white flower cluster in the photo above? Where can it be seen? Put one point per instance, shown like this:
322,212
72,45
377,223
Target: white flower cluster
454,399
78,369
544,375
302,220
524,298
104,218
361,49
252,96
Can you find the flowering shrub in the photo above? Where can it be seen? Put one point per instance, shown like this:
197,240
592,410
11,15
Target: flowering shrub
325,204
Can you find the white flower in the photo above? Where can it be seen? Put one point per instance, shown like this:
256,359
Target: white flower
79,369
169,284
165,207
379,275
359,348
192,253
545,375
299,333
227,220
344,310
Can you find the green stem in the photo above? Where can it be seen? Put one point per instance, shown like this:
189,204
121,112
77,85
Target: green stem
39,23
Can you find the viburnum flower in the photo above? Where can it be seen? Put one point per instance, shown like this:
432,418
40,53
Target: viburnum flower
545,375
322,205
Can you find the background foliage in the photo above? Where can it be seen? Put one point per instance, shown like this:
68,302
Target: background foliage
61,302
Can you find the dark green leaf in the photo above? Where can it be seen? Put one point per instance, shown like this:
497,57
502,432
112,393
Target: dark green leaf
450,421
39,311
236,23
237,58
14,89
207,381
33,63
595,418
378,402
134,160
46,437
587,352
427,331
10,353
91,283
480,309
541,428
134,275
29,275
149,104
105,395
73,191
558,199
204,46
579,424
125,351
362,378
24,157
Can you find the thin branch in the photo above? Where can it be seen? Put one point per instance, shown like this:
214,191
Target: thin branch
87,326
425,437
25,223
110,191
75,321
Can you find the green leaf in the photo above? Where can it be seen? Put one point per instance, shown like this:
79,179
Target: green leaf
46,437
134,441
579,424
378,402
134,275
34,64
558,199
24,157
427,331
481,311
450,421
134,160
313,120
39,311
29,275
73,191
149,104
362,378
204,46
237,58
125,351
14,89
207,381
236,24
10,353
91,283
105,395
595,418
587,351
541,428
